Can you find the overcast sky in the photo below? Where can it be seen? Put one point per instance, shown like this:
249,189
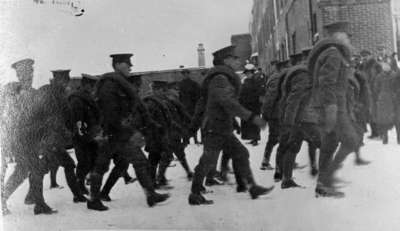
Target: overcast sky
162,34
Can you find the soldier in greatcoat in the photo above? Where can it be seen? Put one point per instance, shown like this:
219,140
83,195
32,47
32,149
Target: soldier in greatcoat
220,91
330,65
119,104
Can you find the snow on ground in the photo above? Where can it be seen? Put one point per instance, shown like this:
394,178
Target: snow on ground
372,201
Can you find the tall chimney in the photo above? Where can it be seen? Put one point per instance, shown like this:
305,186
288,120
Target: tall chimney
201,55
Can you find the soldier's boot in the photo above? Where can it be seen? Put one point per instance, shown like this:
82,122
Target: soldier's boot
82,187
265,165
277,176
162,181
152,197
257,190
73,184
198,199
43,208
211,181
323,191
360,161
289,183
185,166
94,201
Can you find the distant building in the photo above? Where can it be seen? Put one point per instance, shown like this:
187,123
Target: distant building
243,46
197,74
280,28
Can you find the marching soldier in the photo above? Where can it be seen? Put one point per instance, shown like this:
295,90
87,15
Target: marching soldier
86,124
30,127
181,117
294,123
118,101
250,99
329,63
54,98
270,114
189,94
220,91
157,141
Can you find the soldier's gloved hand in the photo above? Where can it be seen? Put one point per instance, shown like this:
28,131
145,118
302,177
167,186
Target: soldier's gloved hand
259,122
330,117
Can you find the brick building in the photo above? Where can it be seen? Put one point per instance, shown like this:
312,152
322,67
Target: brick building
280,28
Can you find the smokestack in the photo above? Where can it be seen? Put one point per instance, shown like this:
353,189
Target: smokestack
201,55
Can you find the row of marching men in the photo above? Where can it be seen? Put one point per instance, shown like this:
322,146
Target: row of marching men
323,99
326,96
105,119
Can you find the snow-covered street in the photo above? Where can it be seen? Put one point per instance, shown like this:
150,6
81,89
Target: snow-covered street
372,201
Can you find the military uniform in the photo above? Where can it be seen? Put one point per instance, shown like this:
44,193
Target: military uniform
118,101
28,147
329,63
221,90
270,112
250,98
86,124
295,94
182,118
158,140
189,94
54,99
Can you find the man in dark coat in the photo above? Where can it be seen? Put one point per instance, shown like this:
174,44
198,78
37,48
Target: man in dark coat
189,94
182,118
18,102
54,97
329,64
85,125
270,111
250,99
157,141
118,103
220,91
295,128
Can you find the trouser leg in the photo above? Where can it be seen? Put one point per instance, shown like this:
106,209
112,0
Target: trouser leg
69,171
36,186
212,147
120,166
180,153
240,159
141,166
154,160
329,143
294,145
53,176
312,153
226,156
18,176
